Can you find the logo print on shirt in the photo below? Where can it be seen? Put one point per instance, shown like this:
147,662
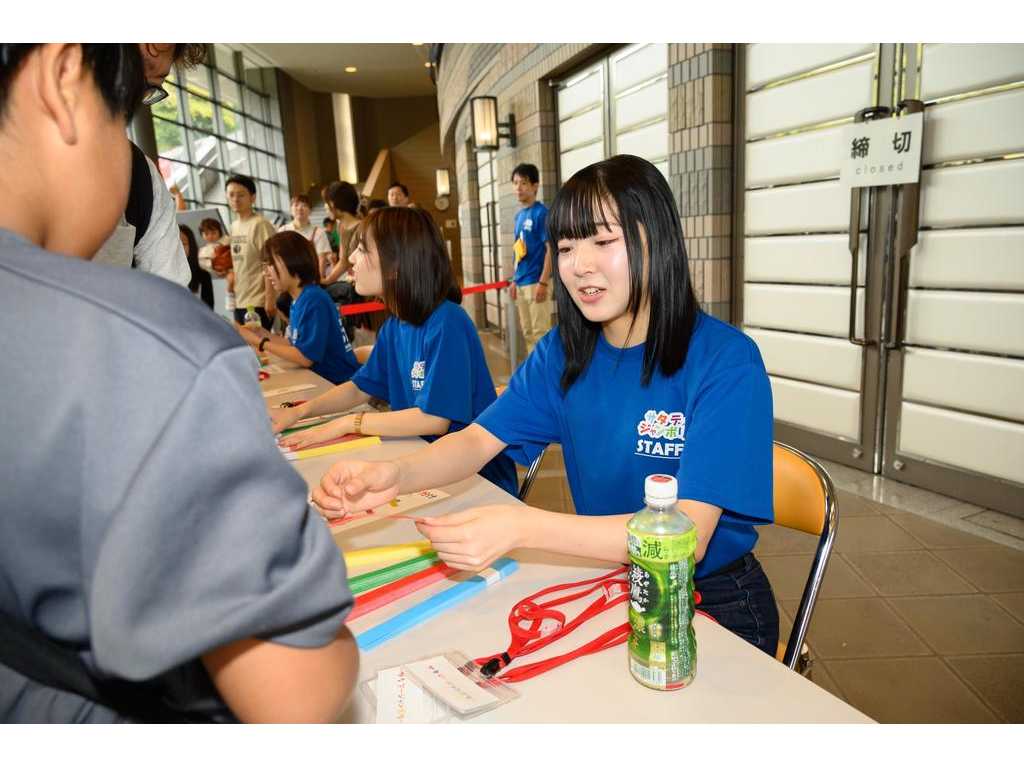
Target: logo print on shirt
661,434
528,225
418,374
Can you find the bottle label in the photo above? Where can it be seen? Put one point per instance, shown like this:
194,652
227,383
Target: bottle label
662,644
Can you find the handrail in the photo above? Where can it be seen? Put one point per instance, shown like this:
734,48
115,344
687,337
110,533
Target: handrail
376,173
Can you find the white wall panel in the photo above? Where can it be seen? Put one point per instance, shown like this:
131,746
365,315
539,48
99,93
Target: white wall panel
581,129
807,308
645,104
817,99
585,93
819,207
984,126
648,142
768,62
987,446
952,68
581,158
835,362
973,195
638,65
802,259
807,156
982,322
990,259
823,409
993,386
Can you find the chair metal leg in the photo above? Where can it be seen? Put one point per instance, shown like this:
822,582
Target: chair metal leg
531,475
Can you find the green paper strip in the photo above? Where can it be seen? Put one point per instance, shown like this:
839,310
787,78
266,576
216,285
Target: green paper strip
378,578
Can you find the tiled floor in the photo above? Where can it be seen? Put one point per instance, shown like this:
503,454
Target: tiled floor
921,615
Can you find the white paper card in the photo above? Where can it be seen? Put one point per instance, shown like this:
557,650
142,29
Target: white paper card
879,152
401,701
273,368
443,679
287,390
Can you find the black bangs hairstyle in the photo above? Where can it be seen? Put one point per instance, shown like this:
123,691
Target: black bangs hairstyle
296,254
116,69
642,198
417,274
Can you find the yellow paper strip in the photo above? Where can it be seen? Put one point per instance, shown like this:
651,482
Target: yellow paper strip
324,450
393,553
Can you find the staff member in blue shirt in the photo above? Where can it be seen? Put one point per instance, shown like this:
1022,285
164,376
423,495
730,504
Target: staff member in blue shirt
528,287
427,361
636,380
315,338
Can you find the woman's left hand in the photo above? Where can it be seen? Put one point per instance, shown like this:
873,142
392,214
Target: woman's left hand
474,538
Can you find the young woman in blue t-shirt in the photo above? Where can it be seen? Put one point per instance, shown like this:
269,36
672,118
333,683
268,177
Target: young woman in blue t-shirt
636,380
427,361
315,337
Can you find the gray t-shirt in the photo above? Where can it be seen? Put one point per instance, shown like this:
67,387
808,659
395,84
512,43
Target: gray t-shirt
147,516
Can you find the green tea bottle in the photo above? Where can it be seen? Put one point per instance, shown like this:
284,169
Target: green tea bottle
662,542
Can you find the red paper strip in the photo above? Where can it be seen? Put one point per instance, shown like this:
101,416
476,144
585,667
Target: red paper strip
381,596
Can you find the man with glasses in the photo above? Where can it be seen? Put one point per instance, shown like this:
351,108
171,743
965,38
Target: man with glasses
147,237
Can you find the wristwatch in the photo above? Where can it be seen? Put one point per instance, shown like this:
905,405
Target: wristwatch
263,343
357,423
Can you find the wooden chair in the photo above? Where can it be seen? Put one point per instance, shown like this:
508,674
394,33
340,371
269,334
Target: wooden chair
804,500
362,353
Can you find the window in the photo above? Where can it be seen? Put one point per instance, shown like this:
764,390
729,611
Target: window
220,119
618,105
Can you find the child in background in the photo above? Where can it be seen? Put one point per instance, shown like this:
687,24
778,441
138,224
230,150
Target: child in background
635,381
427,362
315,338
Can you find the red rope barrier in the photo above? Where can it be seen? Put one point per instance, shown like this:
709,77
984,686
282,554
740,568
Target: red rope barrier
376,306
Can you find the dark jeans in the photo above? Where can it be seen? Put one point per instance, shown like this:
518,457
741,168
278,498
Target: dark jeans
343,292
739,597
264,318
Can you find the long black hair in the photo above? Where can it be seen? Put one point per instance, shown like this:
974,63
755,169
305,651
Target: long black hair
641,198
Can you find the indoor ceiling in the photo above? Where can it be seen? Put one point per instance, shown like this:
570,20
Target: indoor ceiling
384,70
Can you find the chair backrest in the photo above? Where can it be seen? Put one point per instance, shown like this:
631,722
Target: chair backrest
363,353
804,500
531,473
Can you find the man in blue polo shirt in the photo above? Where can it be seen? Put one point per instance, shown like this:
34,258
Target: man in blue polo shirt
529,286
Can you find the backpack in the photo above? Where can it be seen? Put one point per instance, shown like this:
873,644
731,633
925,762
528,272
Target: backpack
139,210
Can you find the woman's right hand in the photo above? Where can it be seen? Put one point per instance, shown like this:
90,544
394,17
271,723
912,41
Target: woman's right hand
339,427
355,486
282,418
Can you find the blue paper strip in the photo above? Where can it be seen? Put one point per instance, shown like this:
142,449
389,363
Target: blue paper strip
429,608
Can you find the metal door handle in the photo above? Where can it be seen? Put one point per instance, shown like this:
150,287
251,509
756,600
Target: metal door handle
869,113
908,214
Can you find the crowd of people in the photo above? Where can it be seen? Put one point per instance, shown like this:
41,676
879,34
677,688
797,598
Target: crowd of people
122,592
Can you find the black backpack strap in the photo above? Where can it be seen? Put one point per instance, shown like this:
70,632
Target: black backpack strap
139,210
29,652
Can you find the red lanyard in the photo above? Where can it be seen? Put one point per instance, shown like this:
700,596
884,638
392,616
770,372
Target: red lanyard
535,624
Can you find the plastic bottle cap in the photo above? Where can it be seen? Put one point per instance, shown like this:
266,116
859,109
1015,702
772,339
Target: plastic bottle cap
660,488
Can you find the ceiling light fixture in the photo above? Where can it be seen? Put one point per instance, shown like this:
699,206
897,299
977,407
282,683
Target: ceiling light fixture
351,69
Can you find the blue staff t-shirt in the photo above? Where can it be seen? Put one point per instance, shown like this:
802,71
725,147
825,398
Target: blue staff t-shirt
530,236
315,329
710,425
438,367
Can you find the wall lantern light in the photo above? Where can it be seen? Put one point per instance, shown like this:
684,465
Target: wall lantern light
486,129
443,184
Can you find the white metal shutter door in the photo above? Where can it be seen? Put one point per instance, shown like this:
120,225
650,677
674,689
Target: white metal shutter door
963,369
581,118
796,265
489,229
639,103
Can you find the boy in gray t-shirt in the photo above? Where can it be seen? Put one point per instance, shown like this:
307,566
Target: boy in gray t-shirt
148,521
